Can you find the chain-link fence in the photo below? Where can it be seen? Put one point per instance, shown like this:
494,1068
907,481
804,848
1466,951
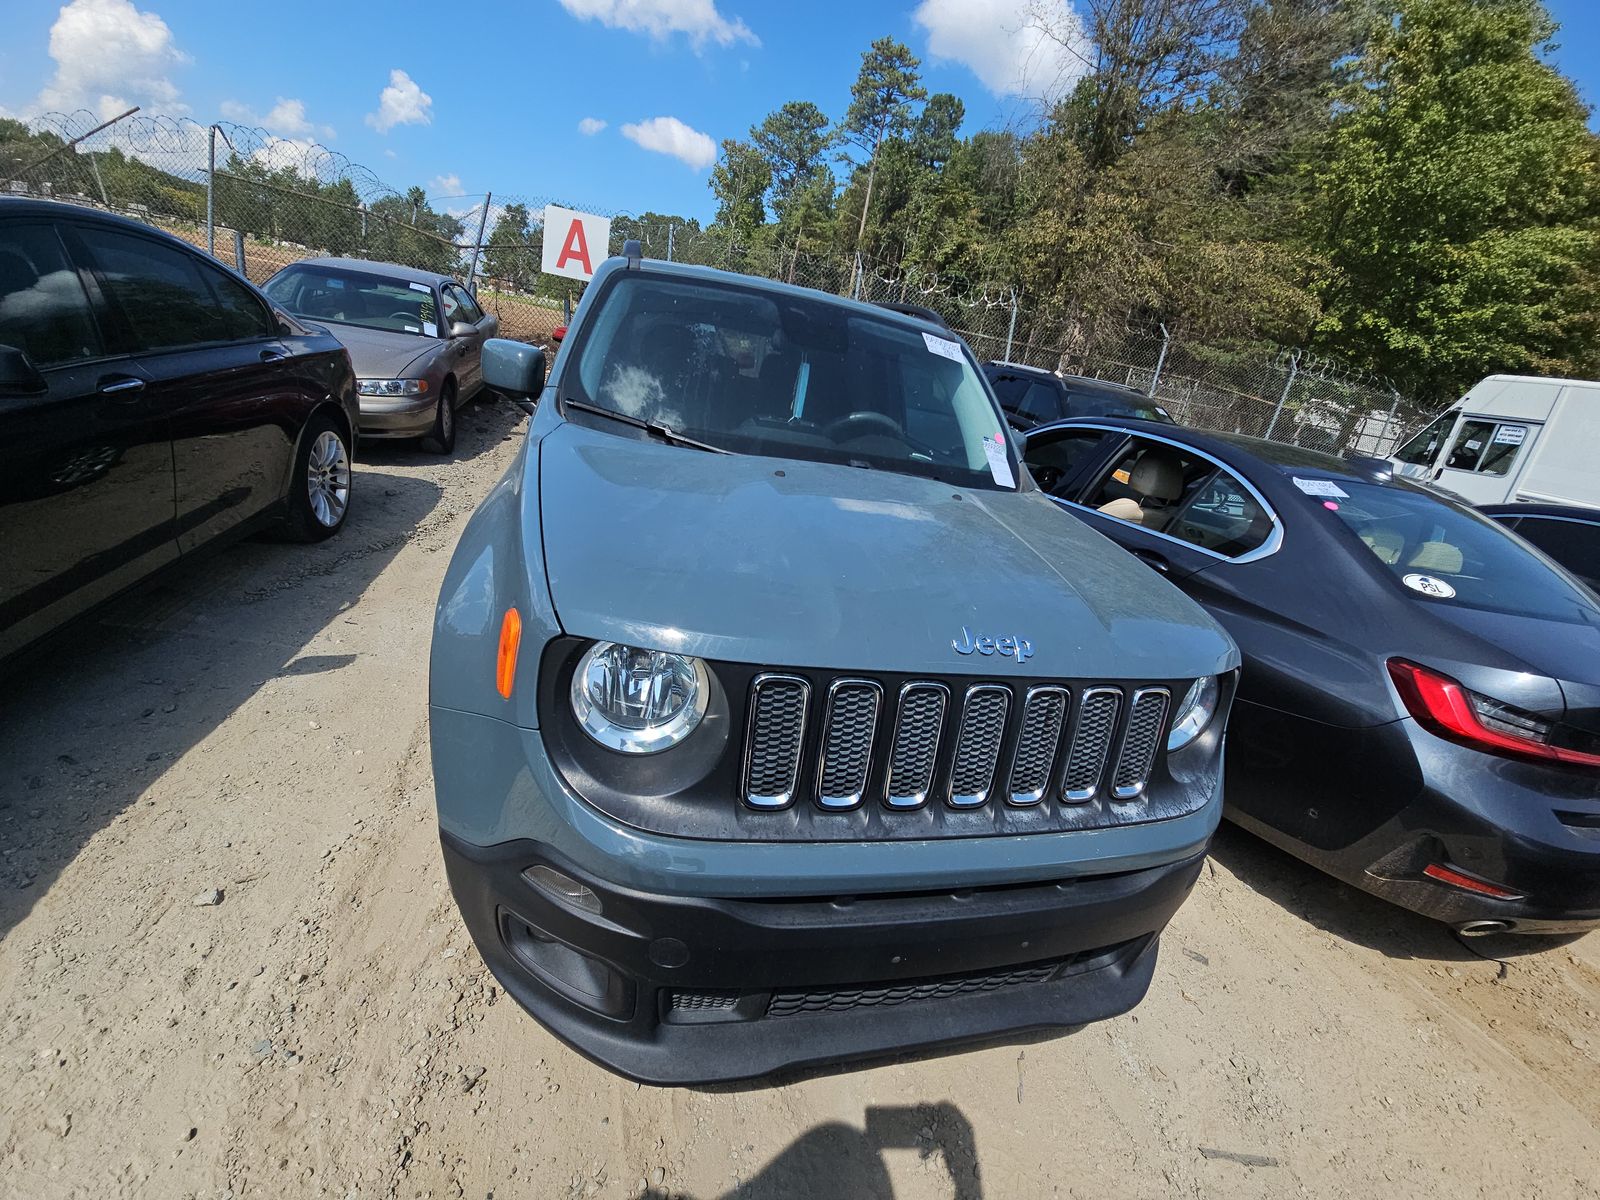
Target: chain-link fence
258,202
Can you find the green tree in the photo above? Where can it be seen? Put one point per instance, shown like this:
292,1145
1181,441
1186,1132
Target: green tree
1460,207
740,181
881,102
934,137
794,140
510,252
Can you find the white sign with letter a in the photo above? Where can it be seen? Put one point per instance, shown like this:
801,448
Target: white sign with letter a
575,243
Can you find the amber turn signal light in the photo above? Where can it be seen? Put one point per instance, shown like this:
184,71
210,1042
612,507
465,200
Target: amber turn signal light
505,665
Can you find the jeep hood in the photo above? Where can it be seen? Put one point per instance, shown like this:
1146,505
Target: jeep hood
783,562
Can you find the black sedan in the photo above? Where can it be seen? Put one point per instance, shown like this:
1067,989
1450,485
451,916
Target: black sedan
151,402
1419,712
1568,533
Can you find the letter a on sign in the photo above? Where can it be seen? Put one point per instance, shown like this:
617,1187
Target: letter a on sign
574,242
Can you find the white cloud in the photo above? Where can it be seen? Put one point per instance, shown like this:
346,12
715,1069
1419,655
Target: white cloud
286,118
388,153
110,56
1002,43
590,126
699,19
668,135
401,103
445,185
293,154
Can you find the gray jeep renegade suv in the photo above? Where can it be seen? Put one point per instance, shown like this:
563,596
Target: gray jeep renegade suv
778,718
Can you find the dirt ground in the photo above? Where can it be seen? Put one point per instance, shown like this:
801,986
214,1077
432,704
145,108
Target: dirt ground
254,725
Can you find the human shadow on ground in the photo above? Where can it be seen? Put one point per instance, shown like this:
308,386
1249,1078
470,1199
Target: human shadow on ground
838,1159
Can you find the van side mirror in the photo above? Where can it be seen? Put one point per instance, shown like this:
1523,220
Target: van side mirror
18,376
513,369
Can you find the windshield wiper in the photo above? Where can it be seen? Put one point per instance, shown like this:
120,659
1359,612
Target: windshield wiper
664,432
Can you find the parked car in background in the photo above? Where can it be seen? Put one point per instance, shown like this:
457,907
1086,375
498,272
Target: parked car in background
1420,707
1567,533
1513,438
151,402
768,727
416,339
1032,396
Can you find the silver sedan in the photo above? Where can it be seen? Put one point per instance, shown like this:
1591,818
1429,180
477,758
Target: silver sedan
415,338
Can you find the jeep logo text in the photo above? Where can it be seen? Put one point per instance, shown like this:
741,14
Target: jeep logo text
1018,648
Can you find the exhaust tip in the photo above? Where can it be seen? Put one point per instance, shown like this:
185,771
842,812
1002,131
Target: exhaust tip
1482,928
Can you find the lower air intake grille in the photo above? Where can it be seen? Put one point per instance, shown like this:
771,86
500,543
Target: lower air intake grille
703,1001
790,1004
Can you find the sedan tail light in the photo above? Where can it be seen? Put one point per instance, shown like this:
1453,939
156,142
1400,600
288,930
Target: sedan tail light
1444,707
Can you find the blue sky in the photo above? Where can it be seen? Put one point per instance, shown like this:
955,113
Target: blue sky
495,102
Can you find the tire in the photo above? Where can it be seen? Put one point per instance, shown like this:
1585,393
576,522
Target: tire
442,440
319,493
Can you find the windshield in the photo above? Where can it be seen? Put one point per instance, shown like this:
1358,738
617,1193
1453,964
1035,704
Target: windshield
755,372
1099,404
355,298
1449,553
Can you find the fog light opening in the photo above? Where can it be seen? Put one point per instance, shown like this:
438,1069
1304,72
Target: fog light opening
562,887
1440,873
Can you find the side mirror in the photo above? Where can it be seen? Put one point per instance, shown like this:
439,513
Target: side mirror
513,369
461,329
18,376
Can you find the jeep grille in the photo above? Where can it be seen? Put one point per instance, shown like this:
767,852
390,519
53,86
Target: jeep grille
924,743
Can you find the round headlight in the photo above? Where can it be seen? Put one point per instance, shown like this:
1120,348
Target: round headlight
638,701
1195,710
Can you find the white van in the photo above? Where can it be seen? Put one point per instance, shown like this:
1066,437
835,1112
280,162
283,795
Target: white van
1514,437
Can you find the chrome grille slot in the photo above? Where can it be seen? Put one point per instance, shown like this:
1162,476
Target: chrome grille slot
1146,717
1043,713
848,730
775,736
983,730
918,724
1098,710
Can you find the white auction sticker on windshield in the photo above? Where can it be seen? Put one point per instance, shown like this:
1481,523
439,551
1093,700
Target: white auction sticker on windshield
1510,435
999,465
943,346
1321,487
1429,585
429,328
423,288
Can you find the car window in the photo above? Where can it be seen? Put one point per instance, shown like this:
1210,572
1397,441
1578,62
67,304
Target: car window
1040,403
242,315
452,305
1151,483
1008,388
468,307
1099,404
1487,447
754,371
166,300
1053,457
344,296
1424,447
1448,553
1574,544
1223,517
43,309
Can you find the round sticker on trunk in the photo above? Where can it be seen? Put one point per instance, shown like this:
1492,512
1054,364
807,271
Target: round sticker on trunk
1428,585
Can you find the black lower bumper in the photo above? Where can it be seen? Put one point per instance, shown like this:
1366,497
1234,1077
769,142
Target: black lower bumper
676,990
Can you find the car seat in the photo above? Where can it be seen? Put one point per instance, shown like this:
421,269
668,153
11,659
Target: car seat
1156,480
1439,558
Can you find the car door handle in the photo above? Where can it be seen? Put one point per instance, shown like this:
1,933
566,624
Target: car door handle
273,356
121,385
1151,559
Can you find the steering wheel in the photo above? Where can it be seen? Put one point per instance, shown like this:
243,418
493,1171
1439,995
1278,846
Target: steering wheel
402,316
864,422
1046,476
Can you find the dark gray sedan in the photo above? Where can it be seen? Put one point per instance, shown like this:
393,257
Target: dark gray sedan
415,337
